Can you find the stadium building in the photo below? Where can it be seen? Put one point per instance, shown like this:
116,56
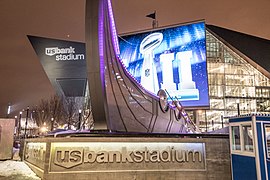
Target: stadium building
238,76
141,86
237,70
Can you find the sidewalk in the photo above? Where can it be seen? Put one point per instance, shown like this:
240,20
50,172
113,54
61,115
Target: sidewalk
16,170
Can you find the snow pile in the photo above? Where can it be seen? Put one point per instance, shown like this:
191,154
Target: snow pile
16,168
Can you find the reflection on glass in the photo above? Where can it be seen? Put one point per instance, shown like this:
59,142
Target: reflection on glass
236,138
248,138
230,78
267,137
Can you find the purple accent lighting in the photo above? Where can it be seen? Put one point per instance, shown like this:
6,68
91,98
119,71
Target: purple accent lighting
101,40
128,106
113,29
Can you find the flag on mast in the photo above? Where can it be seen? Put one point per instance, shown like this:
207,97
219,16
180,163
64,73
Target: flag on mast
152,15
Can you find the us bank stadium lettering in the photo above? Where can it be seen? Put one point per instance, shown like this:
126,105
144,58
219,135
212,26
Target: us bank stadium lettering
73,157
63,54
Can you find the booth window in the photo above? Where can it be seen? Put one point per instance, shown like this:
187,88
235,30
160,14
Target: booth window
248,138
236,138
267,137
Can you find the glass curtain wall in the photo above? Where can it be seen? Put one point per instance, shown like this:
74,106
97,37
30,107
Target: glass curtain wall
235,87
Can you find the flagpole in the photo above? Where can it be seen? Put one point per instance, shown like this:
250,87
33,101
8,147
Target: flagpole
154,20
153,17
155,24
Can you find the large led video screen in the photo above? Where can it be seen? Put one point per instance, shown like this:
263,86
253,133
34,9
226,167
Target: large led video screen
172,58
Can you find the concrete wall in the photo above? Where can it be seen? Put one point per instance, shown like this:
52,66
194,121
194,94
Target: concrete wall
6,138
134,158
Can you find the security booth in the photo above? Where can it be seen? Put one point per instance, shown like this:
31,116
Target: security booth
250,147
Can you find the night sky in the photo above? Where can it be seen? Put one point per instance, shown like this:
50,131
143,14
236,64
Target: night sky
23,81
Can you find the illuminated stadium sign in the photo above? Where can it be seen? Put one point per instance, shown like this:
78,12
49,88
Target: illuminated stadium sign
172,58
64,62
127,156
63,53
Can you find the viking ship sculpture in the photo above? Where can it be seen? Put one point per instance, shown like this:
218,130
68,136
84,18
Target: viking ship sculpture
119,102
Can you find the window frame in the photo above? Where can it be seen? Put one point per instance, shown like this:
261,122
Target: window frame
265,136
242,150
232,139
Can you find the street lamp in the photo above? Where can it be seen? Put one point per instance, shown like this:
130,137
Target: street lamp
16,121
19,124
52,122
79,123
26,121
8,110
16,124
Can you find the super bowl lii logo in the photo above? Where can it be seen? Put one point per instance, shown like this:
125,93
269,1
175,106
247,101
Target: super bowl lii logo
64,54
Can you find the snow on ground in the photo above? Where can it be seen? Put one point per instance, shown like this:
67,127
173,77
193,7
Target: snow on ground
16,170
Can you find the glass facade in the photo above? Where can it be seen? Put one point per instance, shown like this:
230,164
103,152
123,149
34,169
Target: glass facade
235,87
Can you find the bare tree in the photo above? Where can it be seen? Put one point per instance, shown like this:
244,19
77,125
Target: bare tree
41,113
64,111
49,112
78,112
88,121
56,109
71,108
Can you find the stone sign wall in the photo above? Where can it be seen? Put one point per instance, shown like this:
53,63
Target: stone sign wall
35,154
129,158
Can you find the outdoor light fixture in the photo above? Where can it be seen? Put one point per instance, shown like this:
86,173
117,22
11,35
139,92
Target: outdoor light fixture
43,129
26,121
16,121
52,122
19,124
8,109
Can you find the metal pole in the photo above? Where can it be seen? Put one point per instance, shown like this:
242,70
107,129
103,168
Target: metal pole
16,125
19,125
79,123
206,122
222,123
52,123
238,109
26,121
